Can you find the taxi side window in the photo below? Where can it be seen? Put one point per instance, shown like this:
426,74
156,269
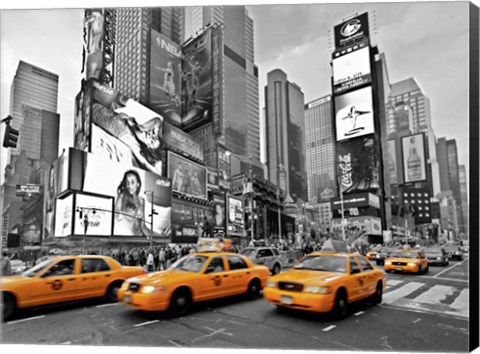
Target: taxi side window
216,265
236,262
93,265
354,268
275,252
365,265
61,268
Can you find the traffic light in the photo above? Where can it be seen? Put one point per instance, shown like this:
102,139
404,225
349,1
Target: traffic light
11,137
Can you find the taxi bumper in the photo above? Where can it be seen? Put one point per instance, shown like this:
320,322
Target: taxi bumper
402,268
144,302
299,300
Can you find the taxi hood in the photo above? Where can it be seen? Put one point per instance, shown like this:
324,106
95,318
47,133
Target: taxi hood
13,280
307,276
163,277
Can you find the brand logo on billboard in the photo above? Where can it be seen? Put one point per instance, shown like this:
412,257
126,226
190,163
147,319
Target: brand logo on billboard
350,28
353,114
169,47
346,168
163,183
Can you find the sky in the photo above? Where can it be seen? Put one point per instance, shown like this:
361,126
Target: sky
428,41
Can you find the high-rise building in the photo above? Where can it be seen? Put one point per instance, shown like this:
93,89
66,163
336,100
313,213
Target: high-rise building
320,149
36,88
462,174
133,45
285,131
240,126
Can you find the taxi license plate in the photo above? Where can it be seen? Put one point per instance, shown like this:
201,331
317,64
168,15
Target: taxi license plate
286,300
127,298
398,268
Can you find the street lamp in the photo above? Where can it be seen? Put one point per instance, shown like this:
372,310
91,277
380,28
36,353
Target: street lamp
84,215
152,213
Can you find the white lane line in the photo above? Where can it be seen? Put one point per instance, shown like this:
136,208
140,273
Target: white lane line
393,282
105,305
448,279
329,328
461,303
359,313
417,320
394,295
435,294
145,323
26,319
67,342
449,268
175,343
235,322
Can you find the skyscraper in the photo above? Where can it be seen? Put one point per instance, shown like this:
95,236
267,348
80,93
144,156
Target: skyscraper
319,149
240,126
36,88
462,174
285,132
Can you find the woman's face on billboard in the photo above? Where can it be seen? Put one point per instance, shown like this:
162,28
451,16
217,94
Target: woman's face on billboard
132,184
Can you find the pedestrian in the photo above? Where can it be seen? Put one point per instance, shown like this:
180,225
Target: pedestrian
161,259
6,266
150,261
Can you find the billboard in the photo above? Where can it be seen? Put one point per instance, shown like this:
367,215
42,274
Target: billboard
197,82
63,216
27,189
234,217
188,220
358,163
165,77
212,179
414,158
354,114
219,216
351,69
417,201
133,190
182,141
32,234
217,89
82,117
93,43
97,215
130,123
392,162
351,31
370,224
188,178
357,200
223,166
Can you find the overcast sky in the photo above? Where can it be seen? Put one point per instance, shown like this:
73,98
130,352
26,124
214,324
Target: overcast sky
428,41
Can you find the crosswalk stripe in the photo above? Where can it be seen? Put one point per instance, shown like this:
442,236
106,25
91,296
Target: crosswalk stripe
435,294
394,295
393,282
461,301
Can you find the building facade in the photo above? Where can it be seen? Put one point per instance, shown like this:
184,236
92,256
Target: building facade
285,133
462,174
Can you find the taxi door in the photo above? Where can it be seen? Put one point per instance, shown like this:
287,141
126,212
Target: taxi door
95,274
57,284
369,277
356,280
239,275
213,285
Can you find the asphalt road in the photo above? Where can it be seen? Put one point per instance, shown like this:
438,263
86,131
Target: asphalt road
426,313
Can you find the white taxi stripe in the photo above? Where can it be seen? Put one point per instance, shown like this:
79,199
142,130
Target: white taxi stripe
435,294
461,302
394,295
393,282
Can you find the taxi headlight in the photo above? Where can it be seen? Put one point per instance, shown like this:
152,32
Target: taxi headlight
439,258
271,284
388,263
318,289
125,285
149,289
412,264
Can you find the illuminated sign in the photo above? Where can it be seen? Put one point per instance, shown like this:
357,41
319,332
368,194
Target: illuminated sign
351,31
235,217
414,158
351,70
99,213
182,141
188,177
63,216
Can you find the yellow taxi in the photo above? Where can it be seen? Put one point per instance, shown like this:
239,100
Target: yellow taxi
64,278
372,255
407,260
325,282
193,278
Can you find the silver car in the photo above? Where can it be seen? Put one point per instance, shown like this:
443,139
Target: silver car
267,256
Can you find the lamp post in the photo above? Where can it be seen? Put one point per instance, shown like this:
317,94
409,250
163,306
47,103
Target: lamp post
152,213
84,215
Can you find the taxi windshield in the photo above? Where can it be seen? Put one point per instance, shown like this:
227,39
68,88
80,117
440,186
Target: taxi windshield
323,263
190,263
399,254
36,269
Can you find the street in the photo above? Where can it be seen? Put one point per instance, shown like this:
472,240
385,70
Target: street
419,313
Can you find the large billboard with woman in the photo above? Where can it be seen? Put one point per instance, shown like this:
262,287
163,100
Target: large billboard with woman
188,177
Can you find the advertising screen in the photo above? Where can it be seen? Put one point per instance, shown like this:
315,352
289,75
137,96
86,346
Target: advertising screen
82,117
51,192
358,165
217,57
212,180
197,82
188,178
392,162
97,215
219,216
224,167
351,70
93,43
414,158
351,31
354,114
31,234
188,221
417,201
235,217
182,141
133,191
138,127
165,77
63,216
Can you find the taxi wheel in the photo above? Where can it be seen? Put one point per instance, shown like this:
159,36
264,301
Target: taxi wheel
340,309
253,289
419,269
276,269
426,270
8,306
377,296
180,302
112,290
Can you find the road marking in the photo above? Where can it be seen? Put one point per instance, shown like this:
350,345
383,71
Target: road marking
235,322
394,295
461,303
145,323
105,305
175,343
359,313
222,331
67,342
448,279
393,282
449,268
26,319
329,328
435,294
423,311
417,320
